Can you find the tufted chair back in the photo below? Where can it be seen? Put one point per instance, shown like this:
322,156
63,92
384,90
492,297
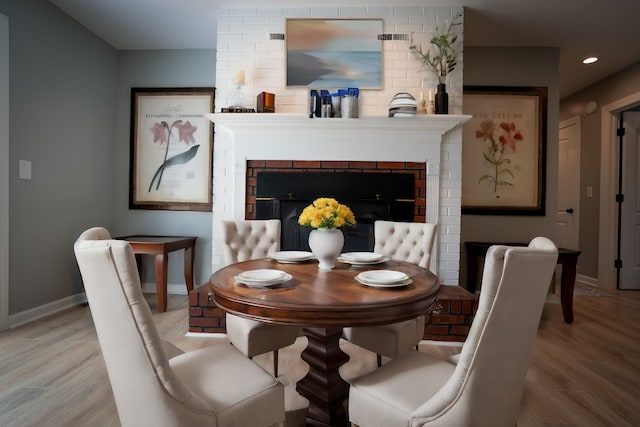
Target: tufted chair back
485,387
243,241
153,381
123,322
250,239
406,241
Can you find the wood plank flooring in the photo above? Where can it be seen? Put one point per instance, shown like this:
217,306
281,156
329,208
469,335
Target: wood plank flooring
585,374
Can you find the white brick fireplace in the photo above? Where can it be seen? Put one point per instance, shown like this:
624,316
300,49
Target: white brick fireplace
244,43
434,140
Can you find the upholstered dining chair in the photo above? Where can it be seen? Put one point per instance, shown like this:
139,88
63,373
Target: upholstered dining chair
483,385
153,381
244,240
406,241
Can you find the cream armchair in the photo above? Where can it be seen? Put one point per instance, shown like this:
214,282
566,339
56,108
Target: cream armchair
154,382
245,240
406,241
484,385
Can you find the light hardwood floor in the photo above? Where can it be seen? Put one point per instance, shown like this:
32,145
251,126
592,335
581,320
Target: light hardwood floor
585,374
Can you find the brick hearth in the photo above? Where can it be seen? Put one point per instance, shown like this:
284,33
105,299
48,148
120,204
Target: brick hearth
450,319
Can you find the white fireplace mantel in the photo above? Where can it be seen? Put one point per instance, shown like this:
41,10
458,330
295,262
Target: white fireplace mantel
434,139
436,123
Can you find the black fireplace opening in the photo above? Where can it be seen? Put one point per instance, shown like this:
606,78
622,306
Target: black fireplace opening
371,197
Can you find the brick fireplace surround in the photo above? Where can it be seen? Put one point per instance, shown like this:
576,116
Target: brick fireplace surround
243,43
418,169
428,146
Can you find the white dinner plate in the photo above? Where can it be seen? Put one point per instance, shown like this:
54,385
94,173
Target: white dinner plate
362,257
385,285
263,277
362,263
382,277
291,256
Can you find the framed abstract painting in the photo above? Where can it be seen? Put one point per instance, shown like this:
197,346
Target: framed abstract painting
334,53
504,150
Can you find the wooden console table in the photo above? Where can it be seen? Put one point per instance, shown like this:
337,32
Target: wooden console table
160,246
568,258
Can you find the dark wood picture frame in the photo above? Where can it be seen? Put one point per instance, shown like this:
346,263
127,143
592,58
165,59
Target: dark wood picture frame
171,158
504,148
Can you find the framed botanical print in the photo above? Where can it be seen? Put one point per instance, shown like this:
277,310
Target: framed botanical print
504,150
171,148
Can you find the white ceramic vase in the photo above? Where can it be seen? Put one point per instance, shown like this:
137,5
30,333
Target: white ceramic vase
326,245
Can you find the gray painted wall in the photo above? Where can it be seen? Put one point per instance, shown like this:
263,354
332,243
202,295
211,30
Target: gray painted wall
516,67
160,68
62,107
611,89
69,116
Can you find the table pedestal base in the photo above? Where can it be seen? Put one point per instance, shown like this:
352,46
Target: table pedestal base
323,386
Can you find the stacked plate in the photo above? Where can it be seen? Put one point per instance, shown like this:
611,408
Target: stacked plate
262,278
384,278
362,258
289,257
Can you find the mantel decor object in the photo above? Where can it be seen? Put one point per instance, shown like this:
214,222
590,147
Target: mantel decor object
441,61
442,99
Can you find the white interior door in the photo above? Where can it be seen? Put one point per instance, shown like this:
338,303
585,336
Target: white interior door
630,218
568,223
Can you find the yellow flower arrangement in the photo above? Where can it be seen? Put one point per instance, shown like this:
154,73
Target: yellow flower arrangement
326,213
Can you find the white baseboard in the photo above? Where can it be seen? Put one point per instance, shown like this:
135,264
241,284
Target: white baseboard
172,289
586,279
205,335
443,343
45,310
32,314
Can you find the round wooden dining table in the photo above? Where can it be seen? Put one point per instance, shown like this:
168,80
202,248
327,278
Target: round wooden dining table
323,302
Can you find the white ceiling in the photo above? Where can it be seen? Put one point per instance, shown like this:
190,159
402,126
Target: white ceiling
608,29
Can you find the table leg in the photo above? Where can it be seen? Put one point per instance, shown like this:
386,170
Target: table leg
161,281
567,283
139,266
323,386
189,255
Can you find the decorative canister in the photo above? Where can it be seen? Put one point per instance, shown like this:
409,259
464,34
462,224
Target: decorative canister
349,107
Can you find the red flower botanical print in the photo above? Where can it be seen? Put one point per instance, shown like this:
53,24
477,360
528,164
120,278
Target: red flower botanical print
508,140
158,132
162,132
498,146
185,132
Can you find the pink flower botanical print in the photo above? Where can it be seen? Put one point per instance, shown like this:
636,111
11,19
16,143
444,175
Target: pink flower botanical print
500,140
162,133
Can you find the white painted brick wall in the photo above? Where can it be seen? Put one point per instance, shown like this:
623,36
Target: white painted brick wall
244,43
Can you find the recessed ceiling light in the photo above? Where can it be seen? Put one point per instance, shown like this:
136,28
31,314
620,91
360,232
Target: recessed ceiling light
590,60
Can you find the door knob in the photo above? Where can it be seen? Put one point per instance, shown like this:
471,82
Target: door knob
569,211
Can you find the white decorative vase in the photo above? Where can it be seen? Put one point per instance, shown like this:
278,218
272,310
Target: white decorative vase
326,245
